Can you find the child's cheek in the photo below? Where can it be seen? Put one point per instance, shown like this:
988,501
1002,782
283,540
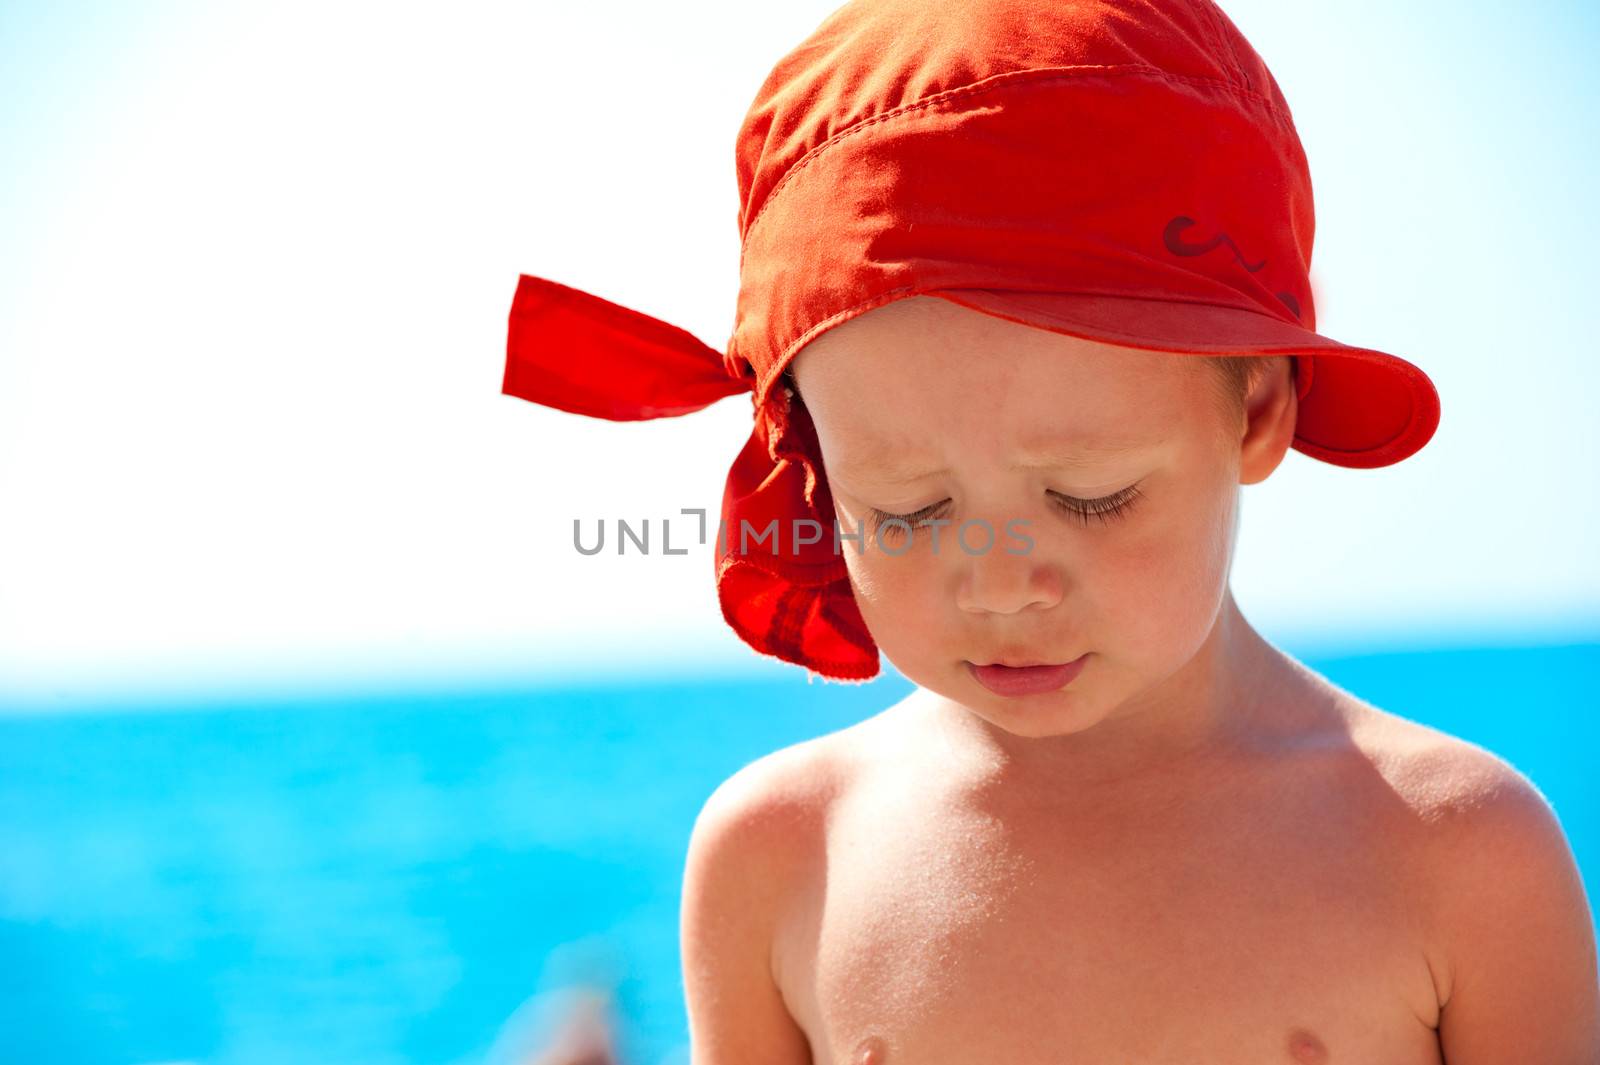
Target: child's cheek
887,579
1167,581
906,599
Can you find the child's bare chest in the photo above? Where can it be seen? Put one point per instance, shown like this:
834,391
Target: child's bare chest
1223,932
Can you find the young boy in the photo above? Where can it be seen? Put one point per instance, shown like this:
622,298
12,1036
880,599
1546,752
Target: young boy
1024,301
1192,849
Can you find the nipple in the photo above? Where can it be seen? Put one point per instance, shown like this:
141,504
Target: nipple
871,1051
1306,1049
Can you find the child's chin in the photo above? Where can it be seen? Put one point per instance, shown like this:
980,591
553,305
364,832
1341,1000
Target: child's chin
1039,717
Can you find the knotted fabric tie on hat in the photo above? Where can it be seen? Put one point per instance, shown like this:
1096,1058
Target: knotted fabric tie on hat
785,597
1125,171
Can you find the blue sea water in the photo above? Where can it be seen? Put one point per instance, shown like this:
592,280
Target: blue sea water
388,880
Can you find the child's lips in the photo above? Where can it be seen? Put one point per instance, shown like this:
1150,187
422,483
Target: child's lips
1030,679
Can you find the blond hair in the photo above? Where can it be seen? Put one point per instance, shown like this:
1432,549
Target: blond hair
1237,374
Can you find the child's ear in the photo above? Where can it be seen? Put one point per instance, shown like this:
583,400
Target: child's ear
1270,409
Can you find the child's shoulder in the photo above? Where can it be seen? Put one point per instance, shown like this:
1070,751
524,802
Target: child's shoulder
1497,882
1426,792
1477,817
767,822
1440,778
780,800
759,837
789,793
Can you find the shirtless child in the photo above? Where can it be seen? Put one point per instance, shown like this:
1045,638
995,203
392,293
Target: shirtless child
1196,852
1024,301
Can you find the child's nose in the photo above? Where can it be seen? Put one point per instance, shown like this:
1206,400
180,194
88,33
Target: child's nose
1009,577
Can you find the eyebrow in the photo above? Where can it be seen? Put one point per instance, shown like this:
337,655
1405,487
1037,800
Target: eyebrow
1075,457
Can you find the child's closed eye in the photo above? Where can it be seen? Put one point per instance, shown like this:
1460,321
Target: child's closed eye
1105,508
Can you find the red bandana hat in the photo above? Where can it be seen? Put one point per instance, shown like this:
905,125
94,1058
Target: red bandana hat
1121,170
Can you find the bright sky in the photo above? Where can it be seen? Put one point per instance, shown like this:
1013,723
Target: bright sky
258,260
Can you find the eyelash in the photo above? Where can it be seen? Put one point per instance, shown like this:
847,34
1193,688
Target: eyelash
1106,508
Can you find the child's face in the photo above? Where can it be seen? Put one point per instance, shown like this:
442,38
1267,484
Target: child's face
924,405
